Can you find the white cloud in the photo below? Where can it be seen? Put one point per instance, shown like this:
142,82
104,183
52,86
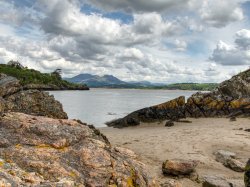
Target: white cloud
243,39
180,45
230,55
78,42
142,5
221,13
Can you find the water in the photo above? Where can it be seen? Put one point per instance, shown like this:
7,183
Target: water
98,106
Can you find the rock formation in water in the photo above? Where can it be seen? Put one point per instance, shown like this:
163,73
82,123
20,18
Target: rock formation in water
230,98
14,98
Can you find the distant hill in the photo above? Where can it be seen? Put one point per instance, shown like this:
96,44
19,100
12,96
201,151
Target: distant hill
191,86
109,81
96,81
33,79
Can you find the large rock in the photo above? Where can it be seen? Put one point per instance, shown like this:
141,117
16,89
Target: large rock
8,85
222,156
173,110
35,102
228,160
39,151
13,98
178,167
247,174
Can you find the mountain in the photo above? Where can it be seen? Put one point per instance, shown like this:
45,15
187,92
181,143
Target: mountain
95,81
109,81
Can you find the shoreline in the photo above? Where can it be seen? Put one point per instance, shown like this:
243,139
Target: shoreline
155,143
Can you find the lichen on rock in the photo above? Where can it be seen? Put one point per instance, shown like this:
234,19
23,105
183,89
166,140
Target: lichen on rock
52,152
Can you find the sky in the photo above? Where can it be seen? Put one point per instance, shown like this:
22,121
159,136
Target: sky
163,41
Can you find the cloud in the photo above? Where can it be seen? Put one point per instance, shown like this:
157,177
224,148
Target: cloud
62,34
233,55
221,13
243,39
141,5
180,45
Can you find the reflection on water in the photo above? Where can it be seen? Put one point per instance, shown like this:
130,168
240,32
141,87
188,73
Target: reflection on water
100,105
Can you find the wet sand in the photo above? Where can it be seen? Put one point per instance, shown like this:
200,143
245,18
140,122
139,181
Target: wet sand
154,143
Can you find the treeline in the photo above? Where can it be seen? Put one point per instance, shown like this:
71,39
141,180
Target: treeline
191,86
31,76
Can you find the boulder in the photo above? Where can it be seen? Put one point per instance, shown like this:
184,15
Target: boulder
178,167
222,156
40,151
228,160
14,98
36,103
247,174
8,85
213,181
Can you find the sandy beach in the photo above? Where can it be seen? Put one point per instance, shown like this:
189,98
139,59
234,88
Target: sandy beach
154,143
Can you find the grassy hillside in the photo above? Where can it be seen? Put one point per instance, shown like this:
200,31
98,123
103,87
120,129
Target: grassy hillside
191,86
30,76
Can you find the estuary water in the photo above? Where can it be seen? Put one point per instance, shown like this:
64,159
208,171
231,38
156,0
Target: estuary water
99,105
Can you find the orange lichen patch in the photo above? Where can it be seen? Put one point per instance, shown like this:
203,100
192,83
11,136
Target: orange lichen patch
72,174
18,146
1,164
43,146
11,172
180,101
47,146
216,104
9,161
131,181
239,103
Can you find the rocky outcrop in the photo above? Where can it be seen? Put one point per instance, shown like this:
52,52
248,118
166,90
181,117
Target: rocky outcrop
231,98
179,167
173,110
8,85
40,151
14,98
35,102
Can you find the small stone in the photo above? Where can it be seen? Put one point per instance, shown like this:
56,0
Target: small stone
169,124
222,156
178,167
235,165
212,181
233,118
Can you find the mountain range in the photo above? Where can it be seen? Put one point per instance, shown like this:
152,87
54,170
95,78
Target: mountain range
109,81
